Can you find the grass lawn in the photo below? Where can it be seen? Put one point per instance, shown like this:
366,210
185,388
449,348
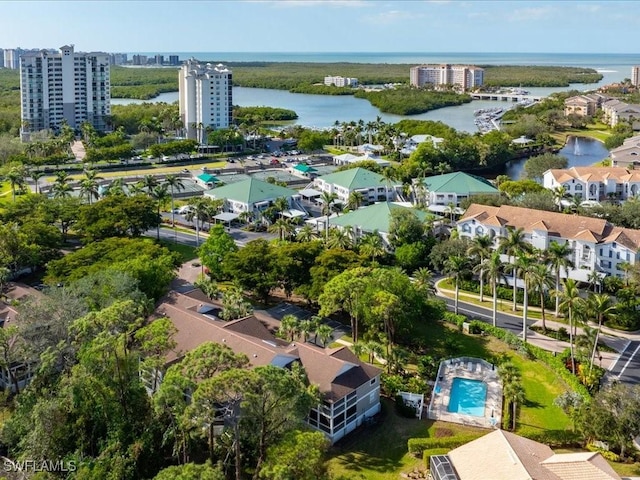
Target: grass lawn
598,131
186,252
380,452
149,170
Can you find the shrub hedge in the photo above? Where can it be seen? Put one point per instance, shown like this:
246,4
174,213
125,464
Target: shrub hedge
419,445
427,454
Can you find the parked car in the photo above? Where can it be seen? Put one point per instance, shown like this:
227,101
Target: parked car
274,161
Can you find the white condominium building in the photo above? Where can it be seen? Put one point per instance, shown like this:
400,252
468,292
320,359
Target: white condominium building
635,76
66,86
341,81
462,76
12,58
206,99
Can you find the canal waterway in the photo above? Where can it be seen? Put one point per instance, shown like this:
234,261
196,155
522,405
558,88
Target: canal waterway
579,152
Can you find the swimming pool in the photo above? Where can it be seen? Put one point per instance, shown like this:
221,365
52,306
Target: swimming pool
468,397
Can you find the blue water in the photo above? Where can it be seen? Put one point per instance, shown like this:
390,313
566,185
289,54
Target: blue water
468,397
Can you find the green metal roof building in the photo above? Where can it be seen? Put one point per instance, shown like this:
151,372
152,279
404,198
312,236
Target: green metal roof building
455,187
375,217
373,186
249,195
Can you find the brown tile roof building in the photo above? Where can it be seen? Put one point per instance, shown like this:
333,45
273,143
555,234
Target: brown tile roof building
502,455
556,224
337,372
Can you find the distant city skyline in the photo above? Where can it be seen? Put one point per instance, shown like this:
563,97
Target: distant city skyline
324,26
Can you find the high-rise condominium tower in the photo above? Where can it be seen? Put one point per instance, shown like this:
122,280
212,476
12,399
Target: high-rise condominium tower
66,86
206,99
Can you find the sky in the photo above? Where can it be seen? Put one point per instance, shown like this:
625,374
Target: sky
561,26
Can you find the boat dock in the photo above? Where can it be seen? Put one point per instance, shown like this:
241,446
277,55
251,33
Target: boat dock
506,97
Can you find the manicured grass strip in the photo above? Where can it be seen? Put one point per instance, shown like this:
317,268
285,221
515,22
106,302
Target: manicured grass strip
187,252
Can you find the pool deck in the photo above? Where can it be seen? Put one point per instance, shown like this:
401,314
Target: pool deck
472,369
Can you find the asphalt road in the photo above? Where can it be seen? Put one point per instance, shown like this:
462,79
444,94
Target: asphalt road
625,370
241,237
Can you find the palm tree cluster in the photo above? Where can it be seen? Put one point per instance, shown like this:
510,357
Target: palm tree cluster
539,273
292,328
512,389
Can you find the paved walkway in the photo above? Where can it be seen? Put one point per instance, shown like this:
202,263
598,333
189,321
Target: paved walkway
77,148
615,339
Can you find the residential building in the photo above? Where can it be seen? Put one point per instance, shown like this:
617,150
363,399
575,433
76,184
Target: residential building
616,111
594,183
350,388
509,456
635,76
584,105
12,58
159,60
465,77
349,158
251,196
627,155
580,105
139,60
452,188
412,143
206,99
596,245
372,186
341,81
72,87
375,218
174,60
1,58
118,58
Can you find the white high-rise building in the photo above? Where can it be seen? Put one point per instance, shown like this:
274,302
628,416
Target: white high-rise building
341,81
635,76
12,58
206,99
461,76
66,86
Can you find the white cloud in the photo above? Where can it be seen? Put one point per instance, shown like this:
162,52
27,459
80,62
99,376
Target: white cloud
526,14
313,3
390,16
589,7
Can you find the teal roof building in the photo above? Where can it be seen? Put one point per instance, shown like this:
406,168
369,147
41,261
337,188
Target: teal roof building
452,188
375,217
373,186
250,195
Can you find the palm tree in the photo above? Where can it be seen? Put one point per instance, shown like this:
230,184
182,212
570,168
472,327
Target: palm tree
556,255
356,199
455,266
281,204
324,333
283,227
36,175
424,280
160,194
571,302
306,233
481,248
174,182
338,238
524,264
494,270
371,246
327,199
559,194
89,185
389,176
514,393
512,245
601,307
541,281
305,327
15,177
289,327
148,182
